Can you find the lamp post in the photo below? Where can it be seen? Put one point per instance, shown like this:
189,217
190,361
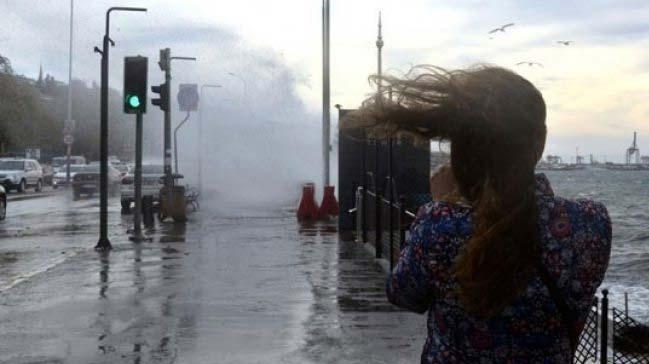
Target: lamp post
200,136
326,122
68,128
104,243
245,84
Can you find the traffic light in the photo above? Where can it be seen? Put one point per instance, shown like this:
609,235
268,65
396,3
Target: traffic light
135,84
163,100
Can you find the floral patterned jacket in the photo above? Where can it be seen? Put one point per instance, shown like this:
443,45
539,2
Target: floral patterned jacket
576,245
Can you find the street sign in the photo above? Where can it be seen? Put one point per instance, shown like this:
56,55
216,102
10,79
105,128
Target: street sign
33,153
68,127
188,97
68,139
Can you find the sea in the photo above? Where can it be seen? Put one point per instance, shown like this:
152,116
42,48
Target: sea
626,196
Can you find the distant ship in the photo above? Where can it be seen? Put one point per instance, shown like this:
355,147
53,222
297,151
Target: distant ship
633,161
626,167
554,163
544,166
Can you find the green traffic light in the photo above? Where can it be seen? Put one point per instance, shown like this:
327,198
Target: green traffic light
134,101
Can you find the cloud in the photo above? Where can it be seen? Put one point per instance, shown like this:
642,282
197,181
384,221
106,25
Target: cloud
599,78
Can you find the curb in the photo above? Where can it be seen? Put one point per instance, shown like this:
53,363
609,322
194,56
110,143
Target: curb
385,265
23,197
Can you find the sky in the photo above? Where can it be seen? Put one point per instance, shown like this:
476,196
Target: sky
595,88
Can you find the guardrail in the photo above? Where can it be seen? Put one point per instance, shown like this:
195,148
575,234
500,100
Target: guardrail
383,222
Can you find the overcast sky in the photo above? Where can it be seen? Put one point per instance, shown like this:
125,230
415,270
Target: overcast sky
596,88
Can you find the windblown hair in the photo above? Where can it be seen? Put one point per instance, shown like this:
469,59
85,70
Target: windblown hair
495,121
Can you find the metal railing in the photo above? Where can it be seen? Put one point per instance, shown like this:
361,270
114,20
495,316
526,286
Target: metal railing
381,221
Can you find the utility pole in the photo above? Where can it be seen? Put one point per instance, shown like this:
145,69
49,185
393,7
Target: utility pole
326,121
379,47
69,124
103,243
377,145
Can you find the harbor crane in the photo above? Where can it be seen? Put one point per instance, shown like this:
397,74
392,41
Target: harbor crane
633,152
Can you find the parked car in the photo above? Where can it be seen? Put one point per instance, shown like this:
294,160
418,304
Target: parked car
19,174
122,168
60,177
3,203
152,182
86,181
58,163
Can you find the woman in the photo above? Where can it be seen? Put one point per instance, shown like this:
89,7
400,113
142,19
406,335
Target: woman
506,270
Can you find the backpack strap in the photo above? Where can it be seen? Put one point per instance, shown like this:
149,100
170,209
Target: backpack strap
568,317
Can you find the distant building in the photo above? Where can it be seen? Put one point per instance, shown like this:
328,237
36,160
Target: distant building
553,159
644,159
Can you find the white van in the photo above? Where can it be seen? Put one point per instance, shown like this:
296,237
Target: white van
59,162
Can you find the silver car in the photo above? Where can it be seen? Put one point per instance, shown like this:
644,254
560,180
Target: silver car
19,174
152,182
60,177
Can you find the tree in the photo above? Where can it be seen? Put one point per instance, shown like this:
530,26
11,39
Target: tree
32,115
5,65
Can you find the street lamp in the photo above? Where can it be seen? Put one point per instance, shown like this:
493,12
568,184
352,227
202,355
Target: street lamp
200,136
68,128
245,84
245,94
103,243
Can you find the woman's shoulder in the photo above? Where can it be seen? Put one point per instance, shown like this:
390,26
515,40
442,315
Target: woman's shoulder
583,222
579,210
444,218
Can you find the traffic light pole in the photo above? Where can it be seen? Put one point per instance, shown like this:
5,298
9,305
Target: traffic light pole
137,214
165,65
169,179
103,243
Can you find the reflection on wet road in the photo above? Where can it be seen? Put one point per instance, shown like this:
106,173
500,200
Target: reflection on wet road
217,290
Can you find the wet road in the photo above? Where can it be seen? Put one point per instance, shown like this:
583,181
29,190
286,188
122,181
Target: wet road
217,290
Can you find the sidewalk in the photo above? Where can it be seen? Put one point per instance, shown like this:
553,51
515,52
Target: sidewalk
237,290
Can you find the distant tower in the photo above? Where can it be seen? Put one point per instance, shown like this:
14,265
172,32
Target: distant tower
39,83
379,47
633,151
579,159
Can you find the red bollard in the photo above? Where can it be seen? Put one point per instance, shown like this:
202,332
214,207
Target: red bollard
329,206
308,208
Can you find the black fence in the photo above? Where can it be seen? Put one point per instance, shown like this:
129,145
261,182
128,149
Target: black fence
390,167
630,339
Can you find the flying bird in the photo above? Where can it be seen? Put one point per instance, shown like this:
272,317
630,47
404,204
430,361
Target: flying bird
501,29
565,42
529,64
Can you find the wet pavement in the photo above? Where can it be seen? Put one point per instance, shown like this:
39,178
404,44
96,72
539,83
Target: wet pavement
217,290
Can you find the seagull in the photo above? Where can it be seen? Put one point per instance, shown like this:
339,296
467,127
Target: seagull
530,64
565,42
501,29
